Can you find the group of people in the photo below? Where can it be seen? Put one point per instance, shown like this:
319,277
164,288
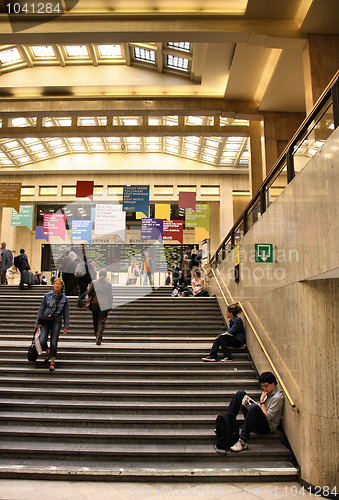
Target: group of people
189,273
54,307
144,269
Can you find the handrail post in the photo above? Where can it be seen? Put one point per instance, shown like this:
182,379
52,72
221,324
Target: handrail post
223,251
245,226
232,240
216,259
290,165
335,103
262,200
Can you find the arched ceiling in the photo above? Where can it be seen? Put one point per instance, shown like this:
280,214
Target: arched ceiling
247,54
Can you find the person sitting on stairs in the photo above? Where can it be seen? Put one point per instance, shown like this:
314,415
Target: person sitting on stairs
263,417
234,336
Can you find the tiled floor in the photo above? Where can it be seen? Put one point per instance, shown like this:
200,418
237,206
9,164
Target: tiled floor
82,490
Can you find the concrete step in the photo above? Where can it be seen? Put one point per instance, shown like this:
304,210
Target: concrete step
35,448
220,469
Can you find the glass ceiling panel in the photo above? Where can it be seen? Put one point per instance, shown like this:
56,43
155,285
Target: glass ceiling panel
214,151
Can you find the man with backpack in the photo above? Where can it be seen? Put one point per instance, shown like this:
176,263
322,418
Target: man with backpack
6,262
262,417
21,263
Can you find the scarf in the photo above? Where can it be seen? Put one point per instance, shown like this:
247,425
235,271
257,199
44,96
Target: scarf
57,297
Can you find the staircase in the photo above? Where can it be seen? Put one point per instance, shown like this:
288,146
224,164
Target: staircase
141,406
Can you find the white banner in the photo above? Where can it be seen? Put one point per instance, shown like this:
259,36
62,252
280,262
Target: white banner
110,219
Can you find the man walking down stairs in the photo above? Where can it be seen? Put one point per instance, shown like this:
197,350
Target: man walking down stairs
140,407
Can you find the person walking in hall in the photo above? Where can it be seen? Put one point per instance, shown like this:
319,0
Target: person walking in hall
147,267
67,266
186,269
175,273
23,266
195,262
100,292
263,417
54,305
6,262
235,336
133,273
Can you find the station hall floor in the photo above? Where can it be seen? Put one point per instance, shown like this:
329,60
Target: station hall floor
82,490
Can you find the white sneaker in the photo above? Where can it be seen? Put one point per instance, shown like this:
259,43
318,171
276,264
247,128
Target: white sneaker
239,445
226,359
208,358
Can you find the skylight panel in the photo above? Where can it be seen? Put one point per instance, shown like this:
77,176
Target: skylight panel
5,161
180,45
30,140
11,144
61,150
76,51
43,51
10,56
177,62
144,54
110,51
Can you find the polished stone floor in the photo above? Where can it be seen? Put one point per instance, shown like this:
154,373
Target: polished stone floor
81,490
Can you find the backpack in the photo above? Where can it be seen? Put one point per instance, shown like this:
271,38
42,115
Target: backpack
18,260
226,430
80,270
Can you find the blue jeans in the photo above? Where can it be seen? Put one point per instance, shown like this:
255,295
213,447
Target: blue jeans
224,341
255,418
145,276
54,328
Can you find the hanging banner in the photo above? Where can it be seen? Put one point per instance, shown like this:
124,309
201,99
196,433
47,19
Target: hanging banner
24,217
201,234
110,219
141,215
39,233
162,211
198,218
85,189
151,229
136,199
54,225
173,230
187,200
10,193
82,230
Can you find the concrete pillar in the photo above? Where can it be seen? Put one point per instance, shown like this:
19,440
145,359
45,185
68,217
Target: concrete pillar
278,129
256,163
321,61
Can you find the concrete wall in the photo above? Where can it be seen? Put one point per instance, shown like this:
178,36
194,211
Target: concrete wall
293,304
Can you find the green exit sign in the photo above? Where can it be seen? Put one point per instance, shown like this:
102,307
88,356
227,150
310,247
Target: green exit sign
263,252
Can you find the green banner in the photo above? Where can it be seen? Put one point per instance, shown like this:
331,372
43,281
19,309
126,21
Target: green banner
24,217
199,218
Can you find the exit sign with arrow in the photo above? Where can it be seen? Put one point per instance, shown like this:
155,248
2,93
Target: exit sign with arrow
263,252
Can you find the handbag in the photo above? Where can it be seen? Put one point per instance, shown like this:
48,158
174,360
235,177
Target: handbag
45,319
88,303
32,354
37,341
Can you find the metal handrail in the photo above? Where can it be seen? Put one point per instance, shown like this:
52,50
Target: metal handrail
268,357
332,90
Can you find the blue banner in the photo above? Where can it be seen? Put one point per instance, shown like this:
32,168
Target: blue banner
136,199
82,230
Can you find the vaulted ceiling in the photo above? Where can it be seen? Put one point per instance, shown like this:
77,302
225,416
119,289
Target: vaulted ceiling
231,58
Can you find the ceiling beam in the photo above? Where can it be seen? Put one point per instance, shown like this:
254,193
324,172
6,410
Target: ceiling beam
124,131
11,108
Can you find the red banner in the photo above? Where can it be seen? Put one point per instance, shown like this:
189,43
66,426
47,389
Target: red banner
173,230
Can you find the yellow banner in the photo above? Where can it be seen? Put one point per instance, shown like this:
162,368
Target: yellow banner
10,193
141,215
201,233
163,211
237,255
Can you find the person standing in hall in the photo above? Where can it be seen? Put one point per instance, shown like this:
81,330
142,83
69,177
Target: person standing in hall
6,262
147,267
54,304
23,267
235,336
133,273
101,303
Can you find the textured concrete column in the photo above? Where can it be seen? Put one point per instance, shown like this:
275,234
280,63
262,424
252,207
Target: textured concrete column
278,130
321,61
256,163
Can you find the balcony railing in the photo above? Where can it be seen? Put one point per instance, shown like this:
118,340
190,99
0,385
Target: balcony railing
306,142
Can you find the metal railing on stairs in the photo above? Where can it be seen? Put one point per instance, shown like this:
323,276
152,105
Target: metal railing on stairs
263,348
309,138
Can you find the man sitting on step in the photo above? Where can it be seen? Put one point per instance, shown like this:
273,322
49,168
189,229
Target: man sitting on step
263,417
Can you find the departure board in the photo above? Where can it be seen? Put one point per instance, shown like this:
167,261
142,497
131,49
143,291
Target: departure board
115,257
